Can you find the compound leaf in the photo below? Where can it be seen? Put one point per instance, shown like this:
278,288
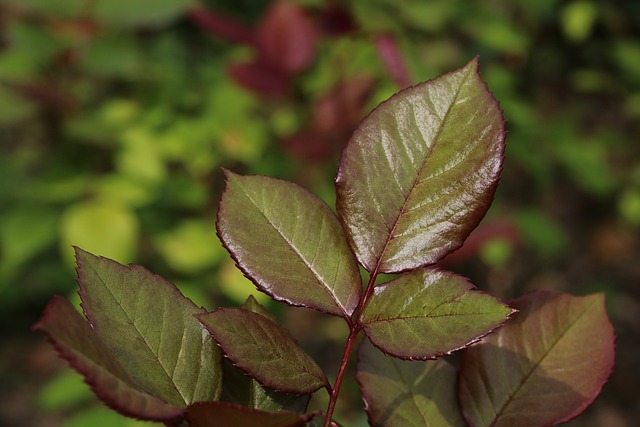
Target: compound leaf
544,367
224,414
77,343
420,171
149,328
264,350
289,243
429,312
407,393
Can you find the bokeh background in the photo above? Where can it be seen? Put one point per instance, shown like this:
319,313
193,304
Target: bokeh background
116,117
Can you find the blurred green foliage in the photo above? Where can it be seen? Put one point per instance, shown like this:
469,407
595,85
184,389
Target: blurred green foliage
116,116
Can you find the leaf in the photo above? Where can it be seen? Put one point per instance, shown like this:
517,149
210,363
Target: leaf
289,243
420,171
107,227
263,349
149,327
223,414
407,393
244,390
426,313
131,13
77,343
287,38
544,367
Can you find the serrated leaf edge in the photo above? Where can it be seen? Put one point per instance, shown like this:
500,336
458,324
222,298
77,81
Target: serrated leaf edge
473,289
245,273
473,220
89,380
244,371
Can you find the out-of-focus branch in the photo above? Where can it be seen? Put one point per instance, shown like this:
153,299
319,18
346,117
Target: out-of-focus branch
392,59
221,26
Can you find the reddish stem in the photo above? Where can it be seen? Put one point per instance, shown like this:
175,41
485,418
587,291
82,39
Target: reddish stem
392,58
343,366
221,26
354,329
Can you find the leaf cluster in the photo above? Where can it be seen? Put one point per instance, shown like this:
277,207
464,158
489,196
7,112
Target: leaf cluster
415,179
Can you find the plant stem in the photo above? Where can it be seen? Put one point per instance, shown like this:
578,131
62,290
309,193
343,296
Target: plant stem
354,330
343,366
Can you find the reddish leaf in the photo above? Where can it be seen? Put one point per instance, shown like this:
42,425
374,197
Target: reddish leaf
407,393
420,172
426,313
335,115
77,343
287,38
341,109
263,349
392,59
289,243
244,390
544,367
149,328
256,76
223,414
220,26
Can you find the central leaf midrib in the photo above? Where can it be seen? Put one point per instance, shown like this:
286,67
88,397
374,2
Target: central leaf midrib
325,286
419,174
402,318
132,322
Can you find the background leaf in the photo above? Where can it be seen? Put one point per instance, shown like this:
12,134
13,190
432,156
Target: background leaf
287,37
544,367
223,414
420,171
149,327
289,243
407,393
264,350
77,343
426,313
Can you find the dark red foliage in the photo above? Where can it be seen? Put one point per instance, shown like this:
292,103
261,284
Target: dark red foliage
334,118
286,38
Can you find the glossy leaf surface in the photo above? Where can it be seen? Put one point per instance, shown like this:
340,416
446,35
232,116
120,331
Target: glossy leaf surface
264,350
407,393
223,414
244,390
429,312
420,171
149,327
544,367
289,243
77,343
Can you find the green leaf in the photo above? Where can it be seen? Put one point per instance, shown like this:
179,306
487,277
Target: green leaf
426,313
289,243
77,342
223,414
149,327
407,393
544,367
420,171
263,349
123,13
244,390
105,227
